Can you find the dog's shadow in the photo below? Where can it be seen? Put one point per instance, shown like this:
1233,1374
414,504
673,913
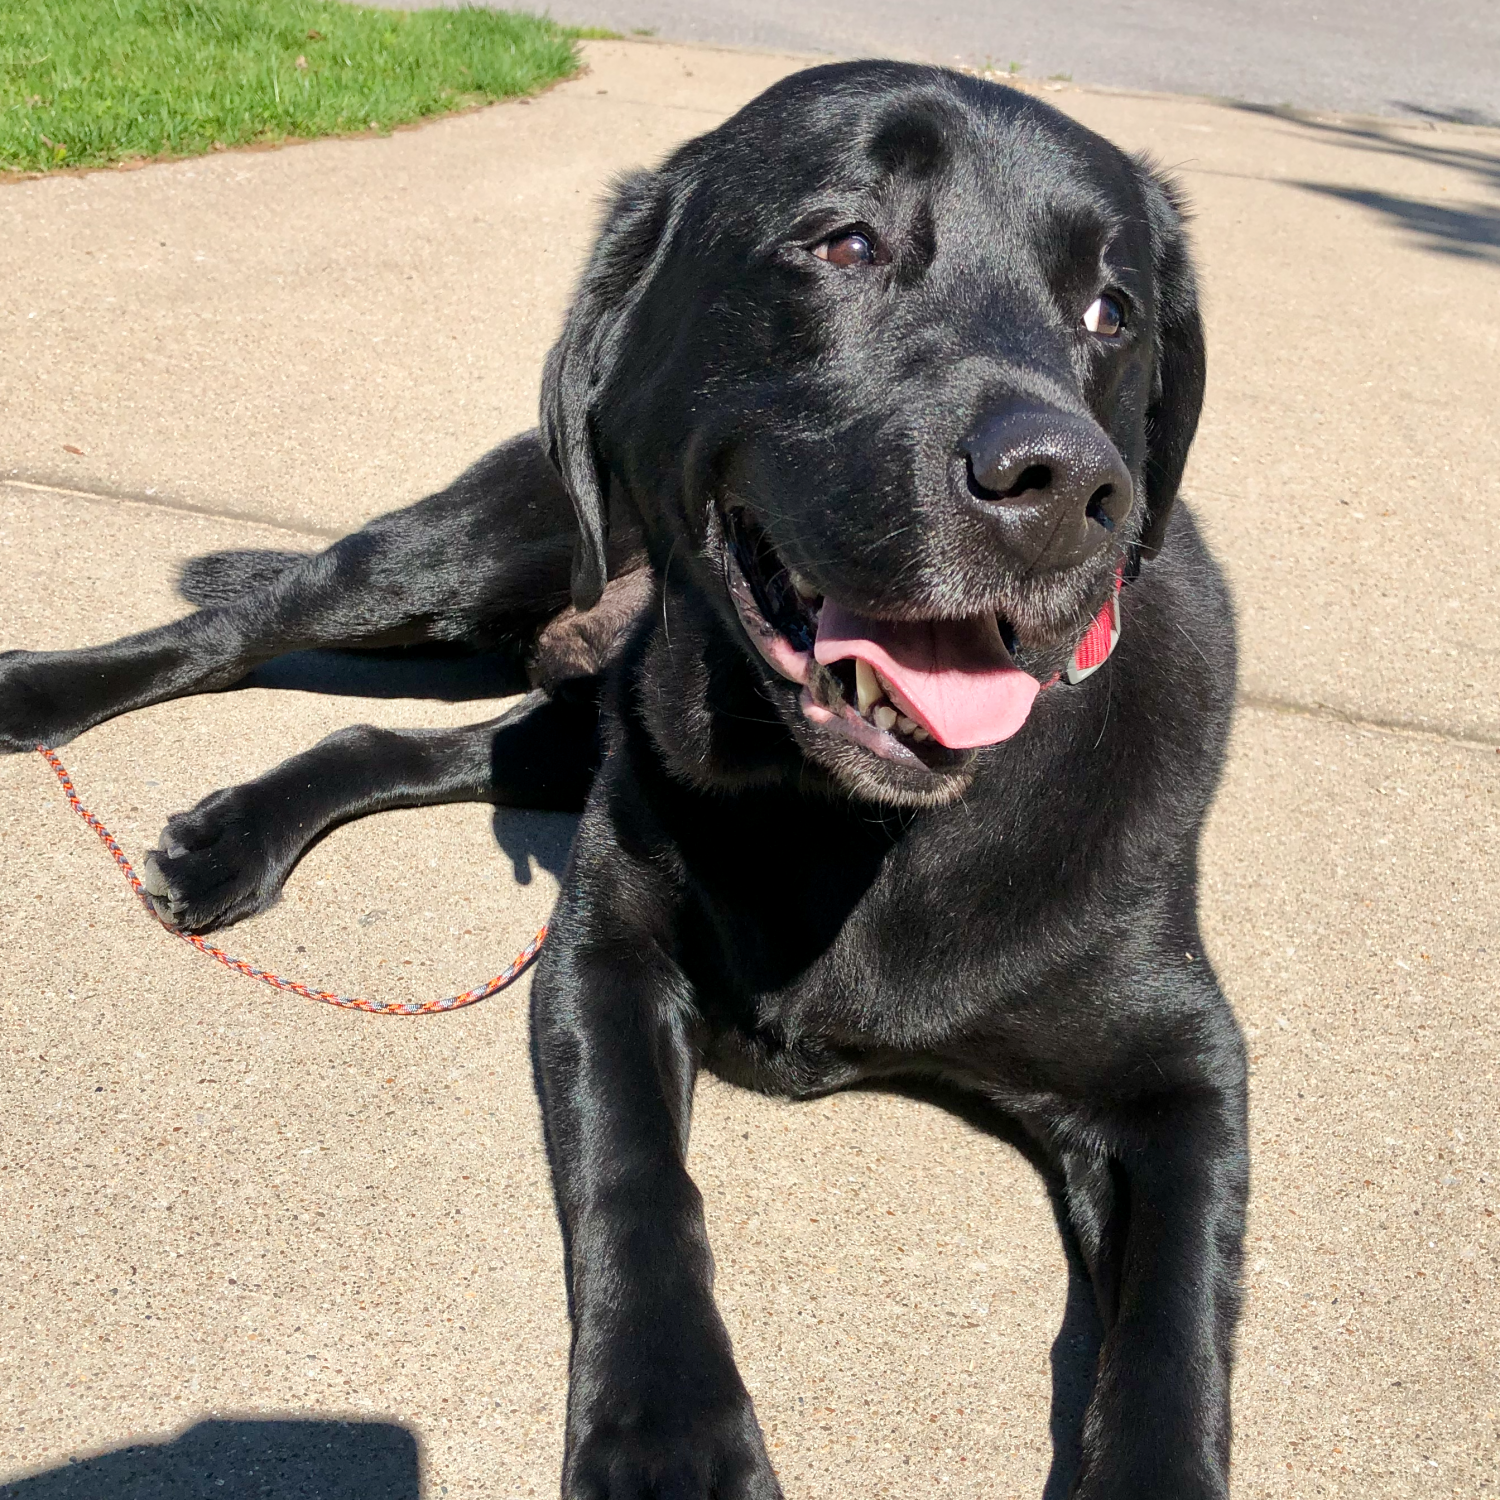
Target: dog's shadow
246,1459
1075,1349
444,674
534,840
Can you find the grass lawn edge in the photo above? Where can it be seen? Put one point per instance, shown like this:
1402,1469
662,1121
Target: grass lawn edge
162,86
166,158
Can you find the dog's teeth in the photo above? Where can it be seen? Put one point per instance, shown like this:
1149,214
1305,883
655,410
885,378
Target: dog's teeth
885,717
802,586
919,733
867,685
905,725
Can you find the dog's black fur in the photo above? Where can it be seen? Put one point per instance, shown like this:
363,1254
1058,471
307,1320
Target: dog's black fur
750,889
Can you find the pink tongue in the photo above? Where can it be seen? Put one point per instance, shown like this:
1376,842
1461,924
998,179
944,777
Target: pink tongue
954,677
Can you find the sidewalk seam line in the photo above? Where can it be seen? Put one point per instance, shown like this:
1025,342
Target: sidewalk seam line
180,507
1321,711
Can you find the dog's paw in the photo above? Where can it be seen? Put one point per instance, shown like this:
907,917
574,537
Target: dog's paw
694,1456
217,864
35,706
688,1431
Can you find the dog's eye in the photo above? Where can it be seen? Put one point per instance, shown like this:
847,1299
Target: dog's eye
850,248
1105,317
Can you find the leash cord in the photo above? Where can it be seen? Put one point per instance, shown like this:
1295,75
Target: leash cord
507,976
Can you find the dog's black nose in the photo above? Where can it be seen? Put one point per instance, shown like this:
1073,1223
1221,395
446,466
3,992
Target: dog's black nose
1054,480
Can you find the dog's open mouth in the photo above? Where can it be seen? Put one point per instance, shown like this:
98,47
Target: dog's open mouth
914,691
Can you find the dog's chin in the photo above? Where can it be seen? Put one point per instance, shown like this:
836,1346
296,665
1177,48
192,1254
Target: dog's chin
847,716
861,765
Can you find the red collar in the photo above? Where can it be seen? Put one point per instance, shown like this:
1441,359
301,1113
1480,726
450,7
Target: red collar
1098,640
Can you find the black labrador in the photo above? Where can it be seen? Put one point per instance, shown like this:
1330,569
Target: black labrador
845,576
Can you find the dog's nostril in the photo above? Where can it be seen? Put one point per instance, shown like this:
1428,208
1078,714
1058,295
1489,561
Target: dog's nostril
1032,477
1095,509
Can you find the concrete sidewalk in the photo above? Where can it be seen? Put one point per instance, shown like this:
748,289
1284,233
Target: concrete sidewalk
218,1203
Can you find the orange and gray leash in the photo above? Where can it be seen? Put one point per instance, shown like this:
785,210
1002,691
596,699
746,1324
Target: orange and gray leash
327,997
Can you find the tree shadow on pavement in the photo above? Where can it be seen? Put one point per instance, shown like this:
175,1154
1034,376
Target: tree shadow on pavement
1447,116
1075,1350
1469,230
289,1458
1472,233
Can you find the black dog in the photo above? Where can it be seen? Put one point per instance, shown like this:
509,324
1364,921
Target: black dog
868,402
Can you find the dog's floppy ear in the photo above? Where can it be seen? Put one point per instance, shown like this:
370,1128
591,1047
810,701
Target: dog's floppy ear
1177,384
628,252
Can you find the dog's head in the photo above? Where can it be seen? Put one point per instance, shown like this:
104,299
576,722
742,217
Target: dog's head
899,369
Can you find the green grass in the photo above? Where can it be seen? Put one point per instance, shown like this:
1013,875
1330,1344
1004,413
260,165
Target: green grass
85,83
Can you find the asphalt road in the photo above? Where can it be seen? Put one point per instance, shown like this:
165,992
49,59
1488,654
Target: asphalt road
1392,57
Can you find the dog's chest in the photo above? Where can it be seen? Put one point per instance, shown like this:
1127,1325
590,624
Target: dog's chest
820,949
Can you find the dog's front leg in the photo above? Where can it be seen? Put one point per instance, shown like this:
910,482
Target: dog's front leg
228,857
1159,1211
53,696
656,1406
322,599
484,560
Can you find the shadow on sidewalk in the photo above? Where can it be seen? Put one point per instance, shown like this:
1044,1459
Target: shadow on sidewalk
534,841
1472,233
1446,116
444,674
1470,230
289,1458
